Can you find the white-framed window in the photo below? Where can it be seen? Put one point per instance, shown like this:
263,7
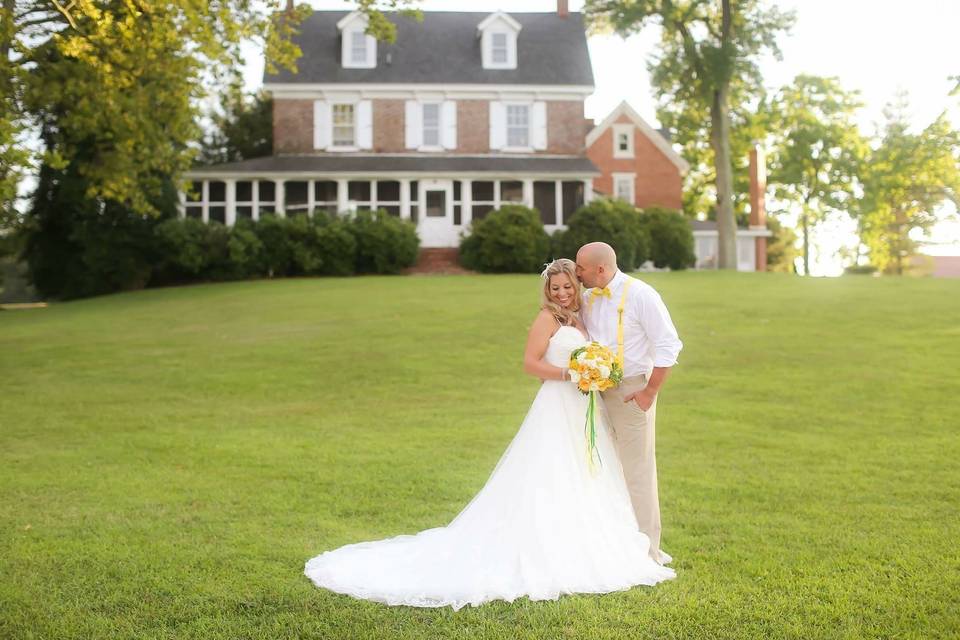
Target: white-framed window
344,124
499,33
431,124
358,49
623,140
518,125
623,186
499,48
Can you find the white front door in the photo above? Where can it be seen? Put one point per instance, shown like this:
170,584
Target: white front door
436,214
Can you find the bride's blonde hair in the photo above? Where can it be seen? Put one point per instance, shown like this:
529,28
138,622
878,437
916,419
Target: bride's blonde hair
567,267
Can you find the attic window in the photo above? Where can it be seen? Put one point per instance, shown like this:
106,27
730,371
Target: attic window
499,33
358,46
499,48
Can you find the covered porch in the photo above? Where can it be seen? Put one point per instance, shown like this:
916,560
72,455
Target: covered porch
441,195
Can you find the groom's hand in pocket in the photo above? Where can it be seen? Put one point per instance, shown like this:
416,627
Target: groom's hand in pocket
643,398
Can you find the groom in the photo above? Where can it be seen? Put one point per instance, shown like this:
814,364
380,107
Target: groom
629,317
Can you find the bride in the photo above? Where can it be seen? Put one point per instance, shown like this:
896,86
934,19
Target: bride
543,525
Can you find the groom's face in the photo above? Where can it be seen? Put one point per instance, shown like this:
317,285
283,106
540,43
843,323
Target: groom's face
586,272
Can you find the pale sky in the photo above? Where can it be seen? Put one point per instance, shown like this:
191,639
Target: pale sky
875,46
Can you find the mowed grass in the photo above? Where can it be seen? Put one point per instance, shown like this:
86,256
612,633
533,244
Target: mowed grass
170,458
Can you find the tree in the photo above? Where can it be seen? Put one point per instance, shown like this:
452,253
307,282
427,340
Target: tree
905,179
708,56
134,74
242,129
781,247
816,150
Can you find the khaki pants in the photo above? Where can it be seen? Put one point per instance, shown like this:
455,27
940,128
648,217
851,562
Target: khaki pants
634,435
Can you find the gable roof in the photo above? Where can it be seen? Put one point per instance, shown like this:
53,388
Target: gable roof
658,139
445,49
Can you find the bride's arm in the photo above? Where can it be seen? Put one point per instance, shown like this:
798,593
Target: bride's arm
537,341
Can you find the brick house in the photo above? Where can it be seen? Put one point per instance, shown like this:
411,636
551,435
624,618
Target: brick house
464,112
636,162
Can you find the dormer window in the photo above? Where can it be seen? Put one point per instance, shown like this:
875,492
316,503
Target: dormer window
499,44
498,41
359,50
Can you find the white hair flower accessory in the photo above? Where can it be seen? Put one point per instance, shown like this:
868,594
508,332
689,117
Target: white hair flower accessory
547,265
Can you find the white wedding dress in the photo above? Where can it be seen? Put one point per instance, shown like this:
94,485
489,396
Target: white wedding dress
543,524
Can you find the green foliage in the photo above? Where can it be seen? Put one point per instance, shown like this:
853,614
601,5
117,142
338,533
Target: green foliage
124,82
781,247
385,243
613,221
321,245
242,128
671,238
276,257
817,149
708,60
905,178
508,240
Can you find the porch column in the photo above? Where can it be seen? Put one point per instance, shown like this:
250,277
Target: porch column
255,194
205,199
341,196
558,201
231,215
373,195
281,198
587,190
466,203
311,198
405,198
496,194
528,193
181,204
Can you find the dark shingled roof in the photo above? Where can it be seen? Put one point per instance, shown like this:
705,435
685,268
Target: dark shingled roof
444,48
382,163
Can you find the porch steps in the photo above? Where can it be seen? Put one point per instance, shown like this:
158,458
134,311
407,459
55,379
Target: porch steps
442,260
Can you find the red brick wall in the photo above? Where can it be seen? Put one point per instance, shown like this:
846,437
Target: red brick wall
292,126
389,131
473,126
658,181
565,127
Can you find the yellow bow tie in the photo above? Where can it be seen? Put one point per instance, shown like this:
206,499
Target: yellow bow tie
596,292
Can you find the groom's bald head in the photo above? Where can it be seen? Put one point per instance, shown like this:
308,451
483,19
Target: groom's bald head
596,264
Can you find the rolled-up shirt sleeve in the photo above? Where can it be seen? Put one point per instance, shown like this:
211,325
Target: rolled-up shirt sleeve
656,322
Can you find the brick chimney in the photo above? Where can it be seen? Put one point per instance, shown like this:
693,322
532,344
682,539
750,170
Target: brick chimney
563,9
758,204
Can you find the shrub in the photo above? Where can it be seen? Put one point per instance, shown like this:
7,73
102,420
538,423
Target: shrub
612,221
385,243
276,256
671,238
509,240
245,250
321,245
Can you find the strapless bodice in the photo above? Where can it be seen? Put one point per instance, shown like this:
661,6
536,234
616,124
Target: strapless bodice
565,340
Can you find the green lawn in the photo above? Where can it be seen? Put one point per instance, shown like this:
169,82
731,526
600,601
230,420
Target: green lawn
170,458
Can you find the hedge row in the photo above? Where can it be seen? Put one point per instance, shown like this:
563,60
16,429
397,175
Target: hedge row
512,239
365,242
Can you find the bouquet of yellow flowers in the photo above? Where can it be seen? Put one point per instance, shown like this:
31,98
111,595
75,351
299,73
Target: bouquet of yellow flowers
593,368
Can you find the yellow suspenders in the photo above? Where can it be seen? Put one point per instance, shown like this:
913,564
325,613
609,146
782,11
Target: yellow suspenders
620,308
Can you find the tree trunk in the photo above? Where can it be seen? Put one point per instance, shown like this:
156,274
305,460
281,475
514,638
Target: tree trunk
805,224
720,141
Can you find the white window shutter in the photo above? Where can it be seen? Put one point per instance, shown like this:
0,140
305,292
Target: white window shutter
414,127
321,124
448,120
539,119
365,124
498,125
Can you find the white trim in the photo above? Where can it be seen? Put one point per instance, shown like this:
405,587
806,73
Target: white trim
652,134
619,129
499,15
414,91
632,178
347,30
741,233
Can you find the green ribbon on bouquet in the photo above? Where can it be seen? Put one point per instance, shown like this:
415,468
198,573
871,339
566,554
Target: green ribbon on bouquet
591,430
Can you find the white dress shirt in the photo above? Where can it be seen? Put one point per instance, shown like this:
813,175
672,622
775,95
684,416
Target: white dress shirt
649,337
